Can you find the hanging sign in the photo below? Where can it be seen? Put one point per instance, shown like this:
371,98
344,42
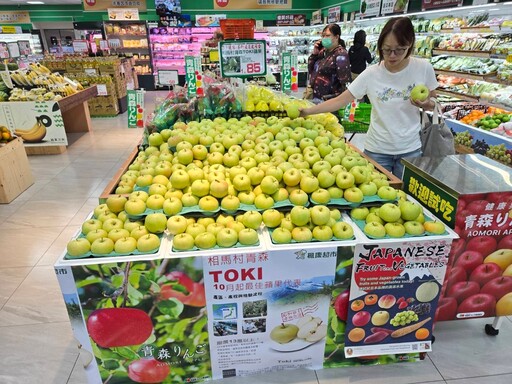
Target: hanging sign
370,8
24,47
14,49
135,101
394,6
251,4
209,20
14,17
193,76
295,20
103,5
316,17
123,14
80,46
431,4
243,58
334,14
289,72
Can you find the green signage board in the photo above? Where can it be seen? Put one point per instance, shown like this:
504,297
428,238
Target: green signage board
135,101
243,58
431,196
289,72
193,74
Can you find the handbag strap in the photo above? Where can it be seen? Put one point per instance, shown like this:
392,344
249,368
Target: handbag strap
437,113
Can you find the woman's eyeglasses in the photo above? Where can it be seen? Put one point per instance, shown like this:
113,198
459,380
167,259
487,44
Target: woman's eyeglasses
397,51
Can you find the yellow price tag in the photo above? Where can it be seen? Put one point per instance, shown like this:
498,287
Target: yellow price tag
214,56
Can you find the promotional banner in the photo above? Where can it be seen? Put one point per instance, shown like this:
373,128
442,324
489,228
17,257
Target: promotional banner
394,6
243,58
289,72
123,14
297,20
209,20
135,101
316,17
369,8
251,4
14,17
266,316
37,123
431,4
103,5
193,76
334,14
393,297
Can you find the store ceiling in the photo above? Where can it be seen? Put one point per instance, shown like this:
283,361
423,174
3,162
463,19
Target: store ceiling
46,2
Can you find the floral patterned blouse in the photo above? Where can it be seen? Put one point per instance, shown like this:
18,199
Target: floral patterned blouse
329,72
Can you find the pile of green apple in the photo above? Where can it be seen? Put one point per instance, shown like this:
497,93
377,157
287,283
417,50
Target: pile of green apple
110,232
302,224
396,219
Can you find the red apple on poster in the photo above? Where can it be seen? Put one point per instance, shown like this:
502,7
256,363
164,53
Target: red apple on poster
463,289
480,302
446,309
505,242
455,275
458,246
498,287
475,196
460,218
483,244
485,273
341,305
469,260
497,197
477,206
361,318
461,204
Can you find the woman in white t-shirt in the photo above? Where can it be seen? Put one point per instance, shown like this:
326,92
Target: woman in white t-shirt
395,118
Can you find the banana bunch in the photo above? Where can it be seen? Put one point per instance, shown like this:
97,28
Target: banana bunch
39,69
35,134
64,89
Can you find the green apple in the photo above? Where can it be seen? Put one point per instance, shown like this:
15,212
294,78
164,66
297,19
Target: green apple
125,245
409,210
96,234
205,240
353,195
348,162
342,230
284,333
298,197
227,237
269,185
321,196
215,227
292,177
160,179
230,203
263,201
335,192
255,175
436,227
302,234
246,197
78,247
280,195
155,222
320,215
116,203
102,246
414,228
395,229
157,189
141,195
389,212
281,235
183,242
118,233
248,236
335,214
208,203
176,224
360,174
110,224
200,187
189,200
368,188
300,215
420,93
148,243
359,213
374,229
144,180
252,219
387,193
155,202
99,209
373,217
326,178
308,183
172,206
195,229
90,225
271,218
345,180
219,188
322,233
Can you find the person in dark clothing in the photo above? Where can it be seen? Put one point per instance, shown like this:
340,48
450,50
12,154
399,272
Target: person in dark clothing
359,54
328,65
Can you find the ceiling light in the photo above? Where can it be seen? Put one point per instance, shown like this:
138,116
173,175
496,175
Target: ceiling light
35,2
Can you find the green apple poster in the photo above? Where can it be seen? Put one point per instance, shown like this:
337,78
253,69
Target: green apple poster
265,315
393,296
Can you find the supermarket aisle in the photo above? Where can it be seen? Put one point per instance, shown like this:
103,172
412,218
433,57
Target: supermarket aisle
36,342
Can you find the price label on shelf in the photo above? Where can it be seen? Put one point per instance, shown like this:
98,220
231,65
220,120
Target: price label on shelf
90,71
167,77
80,46
243,58
102,89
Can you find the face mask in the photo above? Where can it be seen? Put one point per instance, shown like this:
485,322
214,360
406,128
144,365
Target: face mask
327,42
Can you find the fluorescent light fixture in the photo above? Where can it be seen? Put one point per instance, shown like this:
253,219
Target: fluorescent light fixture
35,2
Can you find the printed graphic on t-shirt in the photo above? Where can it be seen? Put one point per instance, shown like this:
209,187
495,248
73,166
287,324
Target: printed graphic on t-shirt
390,93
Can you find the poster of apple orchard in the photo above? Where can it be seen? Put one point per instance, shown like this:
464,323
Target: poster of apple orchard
394,294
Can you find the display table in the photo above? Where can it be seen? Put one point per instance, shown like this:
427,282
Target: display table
472,194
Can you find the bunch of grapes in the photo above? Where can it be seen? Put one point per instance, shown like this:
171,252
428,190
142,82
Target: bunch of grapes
500,153
480,147
420,309
463,138
404,318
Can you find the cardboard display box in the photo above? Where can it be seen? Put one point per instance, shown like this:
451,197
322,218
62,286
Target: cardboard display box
15,173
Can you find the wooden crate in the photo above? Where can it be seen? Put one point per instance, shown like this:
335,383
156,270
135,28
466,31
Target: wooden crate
394,181
15,173
110,189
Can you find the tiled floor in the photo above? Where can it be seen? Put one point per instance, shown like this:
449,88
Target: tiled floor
36,343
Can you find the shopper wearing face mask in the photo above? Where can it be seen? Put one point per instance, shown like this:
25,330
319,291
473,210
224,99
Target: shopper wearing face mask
395,119
329,65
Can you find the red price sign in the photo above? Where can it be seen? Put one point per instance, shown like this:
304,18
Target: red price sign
253,68
243,58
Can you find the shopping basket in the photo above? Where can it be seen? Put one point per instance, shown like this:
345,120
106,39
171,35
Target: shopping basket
237,28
